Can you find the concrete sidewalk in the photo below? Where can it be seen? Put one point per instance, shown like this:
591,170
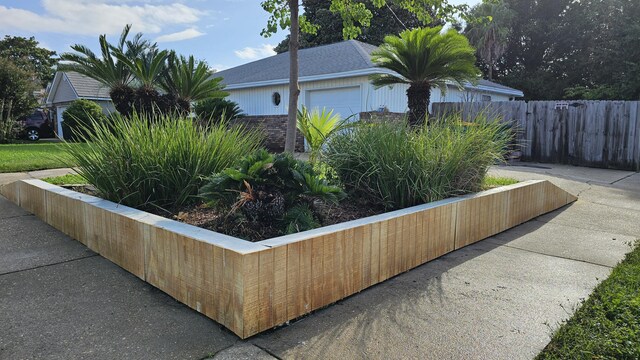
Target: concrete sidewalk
497,299
6,178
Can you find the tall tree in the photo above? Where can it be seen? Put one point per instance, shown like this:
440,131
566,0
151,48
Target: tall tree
573,49
488,30
425,58
16,90
389,19
27,55
355,16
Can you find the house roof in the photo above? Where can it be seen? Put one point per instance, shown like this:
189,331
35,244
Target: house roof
343,59
87,87
83,86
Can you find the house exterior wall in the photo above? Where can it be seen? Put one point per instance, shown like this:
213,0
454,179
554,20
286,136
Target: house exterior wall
258,100
64,92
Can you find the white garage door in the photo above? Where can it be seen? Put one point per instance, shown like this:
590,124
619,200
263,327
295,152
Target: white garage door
343,101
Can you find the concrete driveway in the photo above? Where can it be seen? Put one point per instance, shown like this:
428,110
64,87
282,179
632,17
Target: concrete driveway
497,299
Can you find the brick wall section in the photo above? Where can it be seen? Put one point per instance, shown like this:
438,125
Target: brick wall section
275,129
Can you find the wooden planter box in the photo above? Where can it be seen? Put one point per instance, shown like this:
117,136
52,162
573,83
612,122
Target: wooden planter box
251,287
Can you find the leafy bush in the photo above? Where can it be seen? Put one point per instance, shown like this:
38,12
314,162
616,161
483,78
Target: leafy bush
160,163
399,167
317,127
216,110
271,188
77,119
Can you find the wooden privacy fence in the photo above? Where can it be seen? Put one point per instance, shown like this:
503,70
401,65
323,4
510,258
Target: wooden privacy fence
588,133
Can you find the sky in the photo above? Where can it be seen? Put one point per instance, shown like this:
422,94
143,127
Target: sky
225,33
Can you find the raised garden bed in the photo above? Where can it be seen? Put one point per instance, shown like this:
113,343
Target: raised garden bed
250,287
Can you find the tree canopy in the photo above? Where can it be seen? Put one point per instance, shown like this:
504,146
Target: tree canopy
27,55
16,90
573,49
389,19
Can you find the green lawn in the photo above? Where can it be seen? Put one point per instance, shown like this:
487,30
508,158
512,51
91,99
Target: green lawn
69,179
34,156
491,182
607,325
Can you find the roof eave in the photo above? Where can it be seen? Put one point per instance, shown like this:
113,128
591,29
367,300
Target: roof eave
361,72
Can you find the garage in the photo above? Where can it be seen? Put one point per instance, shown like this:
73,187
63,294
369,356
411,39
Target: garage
344,101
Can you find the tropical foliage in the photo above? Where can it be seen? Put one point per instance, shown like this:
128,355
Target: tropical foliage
425,58
217,109
158,164
284,14
271,188
142,78
318,126
397,166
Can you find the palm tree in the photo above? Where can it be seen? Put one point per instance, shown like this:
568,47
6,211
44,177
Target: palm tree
489,31
188,81
106,68
425,58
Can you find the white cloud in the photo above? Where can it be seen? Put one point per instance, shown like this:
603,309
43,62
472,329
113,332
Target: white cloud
218,67
180,35
92,17
254,53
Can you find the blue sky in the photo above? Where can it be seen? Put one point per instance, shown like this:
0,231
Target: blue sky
225,33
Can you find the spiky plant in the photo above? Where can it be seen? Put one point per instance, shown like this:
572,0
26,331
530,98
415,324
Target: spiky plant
189,81
317,126
425,58
106,68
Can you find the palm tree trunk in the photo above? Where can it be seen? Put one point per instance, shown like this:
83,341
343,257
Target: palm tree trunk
418,96
294,90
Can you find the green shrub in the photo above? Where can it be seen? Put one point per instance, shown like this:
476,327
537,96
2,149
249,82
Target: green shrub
161,163
317,127
271,188
399,167
77,119
216,110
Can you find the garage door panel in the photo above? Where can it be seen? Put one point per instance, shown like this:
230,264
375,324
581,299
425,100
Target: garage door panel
343,101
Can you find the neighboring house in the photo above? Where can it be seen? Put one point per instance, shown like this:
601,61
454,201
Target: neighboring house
335,76
70,86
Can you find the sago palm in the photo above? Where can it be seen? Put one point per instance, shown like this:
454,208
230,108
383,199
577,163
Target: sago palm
106,68
189,81
425,58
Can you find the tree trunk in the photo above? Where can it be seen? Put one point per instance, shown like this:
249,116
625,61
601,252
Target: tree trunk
490,66
418,96
294,90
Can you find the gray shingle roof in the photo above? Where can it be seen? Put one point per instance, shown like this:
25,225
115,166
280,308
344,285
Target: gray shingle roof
350,55
339,57
87,87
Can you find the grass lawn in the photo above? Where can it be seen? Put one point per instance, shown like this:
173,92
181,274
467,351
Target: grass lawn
34,156
69,179
491,182
607,325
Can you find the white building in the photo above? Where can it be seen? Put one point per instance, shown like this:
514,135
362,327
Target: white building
335,76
